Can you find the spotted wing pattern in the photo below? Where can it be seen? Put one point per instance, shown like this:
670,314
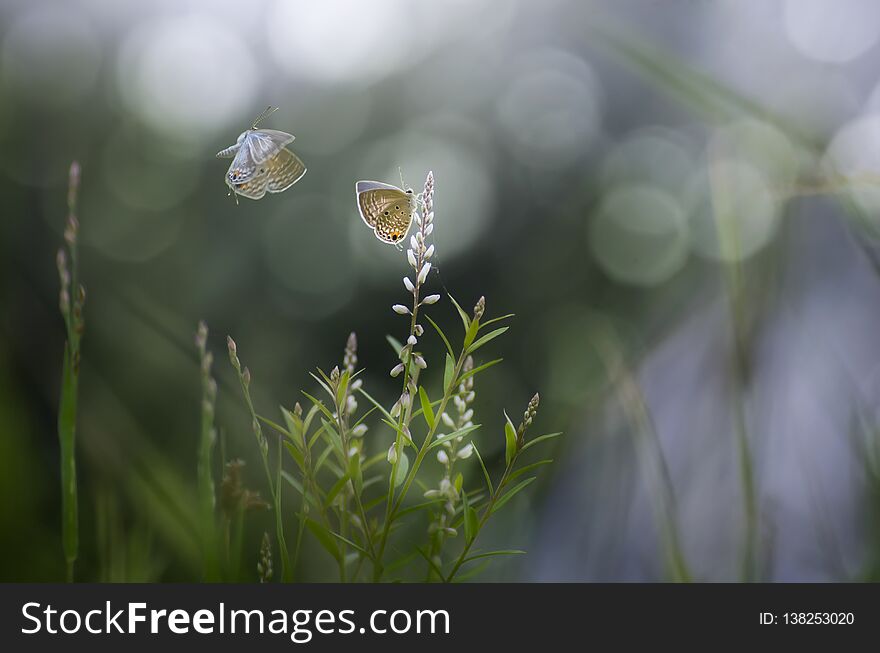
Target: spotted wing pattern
253,188
387,210
283,170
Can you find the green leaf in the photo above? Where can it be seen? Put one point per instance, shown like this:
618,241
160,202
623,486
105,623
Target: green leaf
507,497
449,373
479,369
483,325
485,471
430,562
459,482
319,404
509,440
351,544
492,554
465,319
342,388
442,335
336,489
427,411
486,338
419,506
471,333
354,471
325,538
373,460
540,438
295,454
287,432
325,383
296,485
399,429
395,344
378,406
402,469
455,434
471,521
527,468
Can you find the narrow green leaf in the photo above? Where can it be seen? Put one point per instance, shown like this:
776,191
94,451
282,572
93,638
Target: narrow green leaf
449,373
494,320
295,454
491,554
486,338
540,438
286,432
354,471
342,388
483,466
325,538
357,547
336,489
471,521
375,403
479,369
507,497
420,506
465,319
402,469
296,485
325,383
509,440
373,460
427,411
442,335
527,468
319,404
455,434
430,562
394,427
395,344
471,333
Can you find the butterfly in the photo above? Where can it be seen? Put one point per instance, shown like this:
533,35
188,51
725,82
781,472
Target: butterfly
386,209
261,161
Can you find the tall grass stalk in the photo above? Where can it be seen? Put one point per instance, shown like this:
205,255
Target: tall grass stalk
72,298
273,481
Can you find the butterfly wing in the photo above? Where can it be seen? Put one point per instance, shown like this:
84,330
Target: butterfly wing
283,170
387,210
263,144
253,188
242,168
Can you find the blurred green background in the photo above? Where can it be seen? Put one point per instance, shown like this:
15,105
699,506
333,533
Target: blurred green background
678,200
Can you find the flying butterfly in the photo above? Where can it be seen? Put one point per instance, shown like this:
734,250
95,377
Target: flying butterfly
261,162
387,210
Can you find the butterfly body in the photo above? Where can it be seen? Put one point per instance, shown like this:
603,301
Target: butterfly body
261,163
386,209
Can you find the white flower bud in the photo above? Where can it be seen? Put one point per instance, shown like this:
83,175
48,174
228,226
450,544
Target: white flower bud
451,532
400,309
423,273
430,217
430,228
420,362
465,451
397,369
408,284
411,341
359,430
447,420
392,454
468,415
419,330
430,252
431,299
442,458
411,258
414,243
356,384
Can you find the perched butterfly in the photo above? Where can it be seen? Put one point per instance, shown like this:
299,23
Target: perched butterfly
262,161
386,209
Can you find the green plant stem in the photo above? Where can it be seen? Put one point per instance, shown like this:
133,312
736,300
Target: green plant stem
67,438
275,492
394,506
483,519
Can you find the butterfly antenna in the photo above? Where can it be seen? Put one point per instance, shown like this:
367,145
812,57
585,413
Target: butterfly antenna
400,172
268,112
